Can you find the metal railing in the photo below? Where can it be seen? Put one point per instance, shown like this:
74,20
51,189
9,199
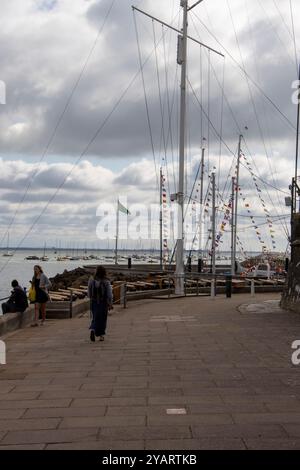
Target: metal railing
195,284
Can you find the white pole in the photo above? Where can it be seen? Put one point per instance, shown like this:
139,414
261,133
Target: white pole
252,288
213,246
117,235
237,200
161,220
179,275
201,204
232,227
212,290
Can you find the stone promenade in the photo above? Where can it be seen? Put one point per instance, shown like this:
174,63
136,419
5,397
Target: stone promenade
189,373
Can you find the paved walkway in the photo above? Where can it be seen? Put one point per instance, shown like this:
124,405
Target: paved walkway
227,371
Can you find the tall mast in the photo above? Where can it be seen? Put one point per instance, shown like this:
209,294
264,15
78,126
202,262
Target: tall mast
232,227
236,200
298,125
161,219
201,201
182,60
182,56
117,234
213,258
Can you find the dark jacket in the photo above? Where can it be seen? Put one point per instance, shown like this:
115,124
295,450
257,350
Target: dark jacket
19,299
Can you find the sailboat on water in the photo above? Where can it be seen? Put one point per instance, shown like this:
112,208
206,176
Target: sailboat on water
7,253
44,257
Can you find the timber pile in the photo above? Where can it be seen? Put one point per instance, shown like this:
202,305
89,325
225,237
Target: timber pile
77,280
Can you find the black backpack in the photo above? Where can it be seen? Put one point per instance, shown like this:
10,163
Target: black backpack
99,293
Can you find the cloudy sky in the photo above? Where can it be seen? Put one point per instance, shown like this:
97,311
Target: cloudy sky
74,132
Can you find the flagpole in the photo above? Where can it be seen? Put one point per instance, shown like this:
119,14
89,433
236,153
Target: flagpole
236,201
117,234
161,221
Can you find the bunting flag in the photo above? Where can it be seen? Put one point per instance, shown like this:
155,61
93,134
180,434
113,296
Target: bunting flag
263,203
255,226
227,210
165,215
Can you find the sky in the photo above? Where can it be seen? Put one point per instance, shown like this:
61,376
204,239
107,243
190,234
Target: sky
82,125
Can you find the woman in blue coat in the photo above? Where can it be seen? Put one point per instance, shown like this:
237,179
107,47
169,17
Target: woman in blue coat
100,294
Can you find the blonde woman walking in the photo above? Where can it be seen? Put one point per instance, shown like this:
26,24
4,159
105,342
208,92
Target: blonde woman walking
41,284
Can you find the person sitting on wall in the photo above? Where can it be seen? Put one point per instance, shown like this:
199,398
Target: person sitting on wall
18,300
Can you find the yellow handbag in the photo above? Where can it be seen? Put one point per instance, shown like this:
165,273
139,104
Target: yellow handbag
32,294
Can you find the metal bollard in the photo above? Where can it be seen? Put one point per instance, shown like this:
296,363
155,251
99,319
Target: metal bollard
252,288
287,262
71,303
129,263
125,295
123,299
228,286
200,265
212,290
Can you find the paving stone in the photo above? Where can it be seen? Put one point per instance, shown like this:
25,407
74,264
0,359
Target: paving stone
292,430
189,419
28,424
99,445
11,414
83,402
65,412
50,436
183,400
102,421
239,431
24,447
278,418
13,404
101,392
228,408
44,388
149,432
19,396
172,444
198,444
272,444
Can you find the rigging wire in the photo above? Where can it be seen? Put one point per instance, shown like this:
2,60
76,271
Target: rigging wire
251,96
228,148
264,109
168,107
208,109
146,99
274,28
283,20
159,94
221,118
92,140
294,37
283,116
61,116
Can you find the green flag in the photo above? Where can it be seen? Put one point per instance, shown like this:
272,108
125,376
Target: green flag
123,209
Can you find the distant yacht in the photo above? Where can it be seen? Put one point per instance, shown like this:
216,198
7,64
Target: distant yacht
8,253
44,257
32,258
